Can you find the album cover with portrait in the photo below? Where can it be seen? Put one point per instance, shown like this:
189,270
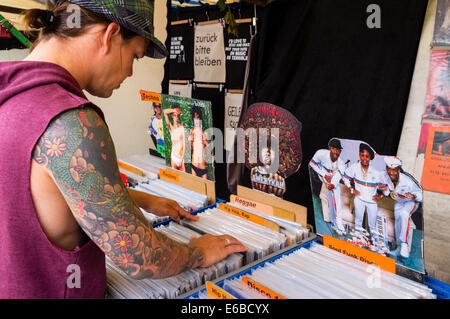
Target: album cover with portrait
367,199
271,146
187,125
156,130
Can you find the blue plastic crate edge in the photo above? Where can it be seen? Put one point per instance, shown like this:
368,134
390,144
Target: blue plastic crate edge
439,288
248,268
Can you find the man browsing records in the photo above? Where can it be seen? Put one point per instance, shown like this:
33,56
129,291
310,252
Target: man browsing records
63,204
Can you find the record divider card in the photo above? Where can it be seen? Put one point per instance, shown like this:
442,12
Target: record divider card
193,183
261,288
281,208
250,217
216,292
263,208
130,168
364,255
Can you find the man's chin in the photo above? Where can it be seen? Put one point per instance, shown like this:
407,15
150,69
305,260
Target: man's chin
103,94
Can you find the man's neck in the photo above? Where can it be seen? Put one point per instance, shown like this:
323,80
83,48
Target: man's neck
52,51
395,182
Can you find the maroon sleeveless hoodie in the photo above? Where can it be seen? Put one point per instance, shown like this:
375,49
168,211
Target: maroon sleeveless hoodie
31,95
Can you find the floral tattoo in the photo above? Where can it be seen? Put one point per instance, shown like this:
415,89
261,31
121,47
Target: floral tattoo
78,150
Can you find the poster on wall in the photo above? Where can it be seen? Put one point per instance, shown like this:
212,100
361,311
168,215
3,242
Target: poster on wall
441,36
421,149
233,106
181,55
236,51
437,103
188,145
436,167
209,53
270,138
367,199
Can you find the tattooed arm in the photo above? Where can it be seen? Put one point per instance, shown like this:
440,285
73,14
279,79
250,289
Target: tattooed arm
77,151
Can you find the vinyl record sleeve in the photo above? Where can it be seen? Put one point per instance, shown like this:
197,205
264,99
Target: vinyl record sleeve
187,144
272,146
359,199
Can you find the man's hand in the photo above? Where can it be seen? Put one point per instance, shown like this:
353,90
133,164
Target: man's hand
166,207
354,191
160,206
216,248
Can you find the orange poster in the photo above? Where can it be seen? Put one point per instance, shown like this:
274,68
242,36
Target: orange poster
436,167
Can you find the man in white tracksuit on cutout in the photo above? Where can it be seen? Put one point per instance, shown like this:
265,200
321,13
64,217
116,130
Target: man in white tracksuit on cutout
366,181
330,168
407,195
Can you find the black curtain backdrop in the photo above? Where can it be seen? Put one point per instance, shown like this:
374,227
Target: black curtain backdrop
319,60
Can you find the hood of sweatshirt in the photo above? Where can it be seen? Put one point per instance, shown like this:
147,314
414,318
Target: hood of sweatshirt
20,76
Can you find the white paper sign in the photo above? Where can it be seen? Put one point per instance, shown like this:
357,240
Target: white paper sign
209,54
233,106
183,90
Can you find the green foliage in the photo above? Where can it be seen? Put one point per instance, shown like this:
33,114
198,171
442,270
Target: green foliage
228,18
222,5
231,22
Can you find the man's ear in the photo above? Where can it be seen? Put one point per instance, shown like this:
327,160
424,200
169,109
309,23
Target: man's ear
110,35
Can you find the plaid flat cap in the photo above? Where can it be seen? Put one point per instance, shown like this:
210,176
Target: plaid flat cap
134,15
